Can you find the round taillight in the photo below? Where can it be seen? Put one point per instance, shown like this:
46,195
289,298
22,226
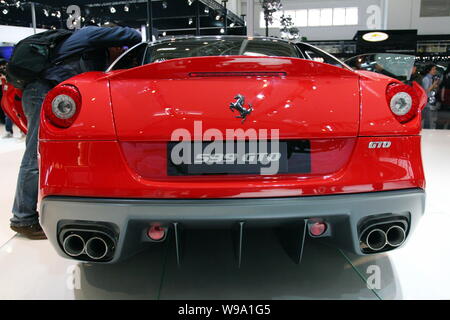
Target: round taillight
403,100
401,103
62,105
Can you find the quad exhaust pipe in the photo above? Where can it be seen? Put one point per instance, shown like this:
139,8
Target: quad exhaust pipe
95,246
395,236
381,236
376,239
74,245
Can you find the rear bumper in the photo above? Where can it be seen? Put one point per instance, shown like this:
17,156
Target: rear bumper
131,217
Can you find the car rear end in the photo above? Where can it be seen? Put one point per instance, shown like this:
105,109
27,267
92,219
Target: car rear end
246,140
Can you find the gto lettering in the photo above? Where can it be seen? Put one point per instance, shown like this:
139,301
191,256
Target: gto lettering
379,144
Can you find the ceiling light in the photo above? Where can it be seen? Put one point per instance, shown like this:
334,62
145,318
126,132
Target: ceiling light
5,11
46,12
164,5
206,10
126,8
166,49
112,9
218,17
190,2
58,14
232,25
222,30
190,21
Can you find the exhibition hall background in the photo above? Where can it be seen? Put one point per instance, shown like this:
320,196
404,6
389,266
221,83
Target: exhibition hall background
417,27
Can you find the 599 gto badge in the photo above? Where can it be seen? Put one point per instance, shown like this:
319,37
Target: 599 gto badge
231,158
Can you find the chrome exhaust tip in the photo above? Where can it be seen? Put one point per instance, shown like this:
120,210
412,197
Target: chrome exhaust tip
395,236
74,245
376,239
96,248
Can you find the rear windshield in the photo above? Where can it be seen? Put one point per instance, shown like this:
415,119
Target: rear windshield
218,47
394,65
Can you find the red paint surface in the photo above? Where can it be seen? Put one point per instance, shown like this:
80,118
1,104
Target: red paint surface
12,105
117,145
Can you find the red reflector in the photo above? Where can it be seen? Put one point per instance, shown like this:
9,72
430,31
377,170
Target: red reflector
236,74
156,233
317,228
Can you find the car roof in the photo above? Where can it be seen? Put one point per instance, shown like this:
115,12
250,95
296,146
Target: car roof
227,37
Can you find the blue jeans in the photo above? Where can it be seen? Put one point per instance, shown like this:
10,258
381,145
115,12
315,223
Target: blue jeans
25,201
8,125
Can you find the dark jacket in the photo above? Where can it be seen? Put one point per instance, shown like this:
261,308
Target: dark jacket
86,50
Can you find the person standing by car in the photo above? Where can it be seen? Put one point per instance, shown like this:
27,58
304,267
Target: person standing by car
88,49
445,88
431,85
415,74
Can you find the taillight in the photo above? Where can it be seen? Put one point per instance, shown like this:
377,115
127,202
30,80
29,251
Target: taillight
62,105
403,101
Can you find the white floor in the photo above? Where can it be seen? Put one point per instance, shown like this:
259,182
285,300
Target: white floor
420,270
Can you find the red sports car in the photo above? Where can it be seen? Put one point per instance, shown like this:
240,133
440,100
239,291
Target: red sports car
229,132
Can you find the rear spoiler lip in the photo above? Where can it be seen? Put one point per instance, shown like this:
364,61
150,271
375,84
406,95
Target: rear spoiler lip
182,67
237,74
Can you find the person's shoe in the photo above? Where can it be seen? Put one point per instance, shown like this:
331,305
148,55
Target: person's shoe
7,135
33,232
